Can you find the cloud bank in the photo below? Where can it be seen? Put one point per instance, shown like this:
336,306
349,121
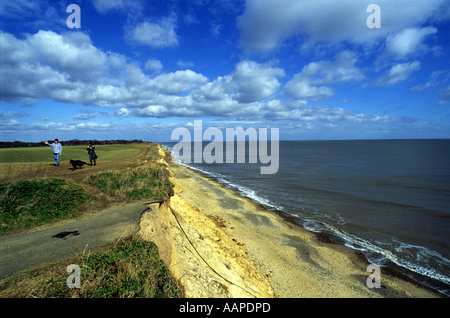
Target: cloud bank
335,45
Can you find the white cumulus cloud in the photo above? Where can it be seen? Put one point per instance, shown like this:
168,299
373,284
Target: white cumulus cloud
310,83
266,24
408,41
398,73
155,35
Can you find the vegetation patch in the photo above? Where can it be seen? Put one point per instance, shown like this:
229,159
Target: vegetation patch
28,203
134,183
129,268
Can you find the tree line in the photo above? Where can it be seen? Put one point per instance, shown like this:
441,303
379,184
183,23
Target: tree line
73,142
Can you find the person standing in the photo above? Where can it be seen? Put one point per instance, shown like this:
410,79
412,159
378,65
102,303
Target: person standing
91,152
57,150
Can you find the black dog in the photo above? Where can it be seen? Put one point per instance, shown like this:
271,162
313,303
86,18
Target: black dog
77,163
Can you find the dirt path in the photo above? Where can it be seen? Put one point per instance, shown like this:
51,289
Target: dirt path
50,243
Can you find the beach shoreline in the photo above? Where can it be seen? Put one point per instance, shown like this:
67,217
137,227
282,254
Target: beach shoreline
218,243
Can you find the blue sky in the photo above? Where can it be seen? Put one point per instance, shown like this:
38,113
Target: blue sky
139,69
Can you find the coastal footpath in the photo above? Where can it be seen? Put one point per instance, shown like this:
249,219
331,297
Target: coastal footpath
220,244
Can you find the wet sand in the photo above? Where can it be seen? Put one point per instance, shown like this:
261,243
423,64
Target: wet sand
220,244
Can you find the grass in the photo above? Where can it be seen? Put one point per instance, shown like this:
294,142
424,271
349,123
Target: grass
28,200
38,193
28,203
44,154
134,183
27,163
129,268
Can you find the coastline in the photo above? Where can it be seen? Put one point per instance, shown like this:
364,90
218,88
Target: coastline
218,243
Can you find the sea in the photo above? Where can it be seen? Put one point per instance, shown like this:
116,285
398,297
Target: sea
389,199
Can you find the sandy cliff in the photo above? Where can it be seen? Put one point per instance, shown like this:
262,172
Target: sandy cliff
219,244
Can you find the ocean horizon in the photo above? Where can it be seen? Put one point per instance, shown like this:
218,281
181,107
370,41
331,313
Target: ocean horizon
389,199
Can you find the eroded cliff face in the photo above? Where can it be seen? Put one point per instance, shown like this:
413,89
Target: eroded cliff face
198,252
206,261
199,231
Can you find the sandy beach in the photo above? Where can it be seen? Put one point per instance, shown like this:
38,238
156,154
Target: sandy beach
220,244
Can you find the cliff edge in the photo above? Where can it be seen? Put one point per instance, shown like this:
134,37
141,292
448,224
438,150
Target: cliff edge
199,253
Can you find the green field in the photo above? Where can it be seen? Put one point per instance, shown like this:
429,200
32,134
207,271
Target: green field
33,192
45,154
31,185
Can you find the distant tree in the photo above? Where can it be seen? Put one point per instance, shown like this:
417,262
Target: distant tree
72,142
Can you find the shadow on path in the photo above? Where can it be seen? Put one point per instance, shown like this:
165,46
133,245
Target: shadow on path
27,250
